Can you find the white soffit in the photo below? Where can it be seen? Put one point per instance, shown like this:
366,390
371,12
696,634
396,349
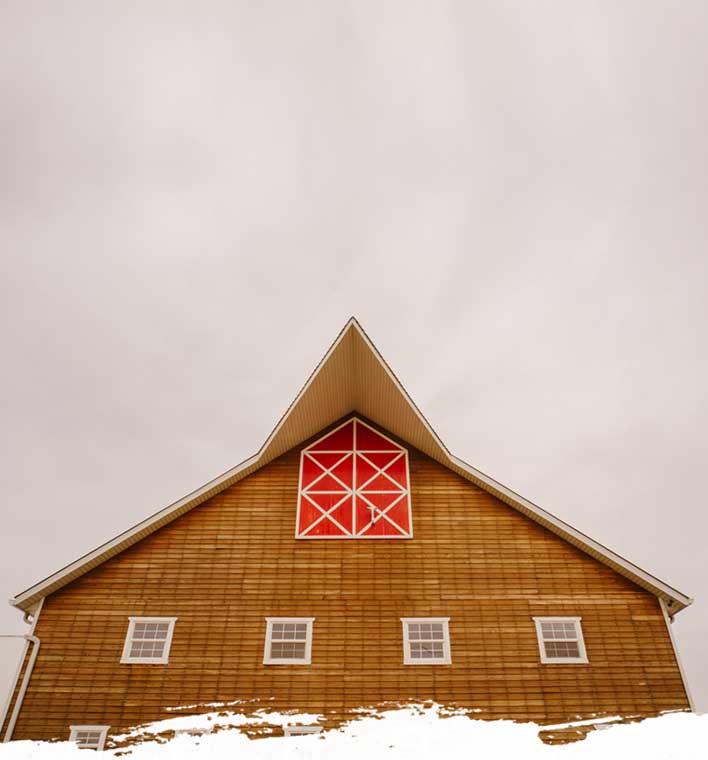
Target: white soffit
352,377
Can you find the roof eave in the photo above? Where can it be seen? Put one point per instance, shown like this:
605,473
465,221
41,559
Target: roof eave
273,447
676,600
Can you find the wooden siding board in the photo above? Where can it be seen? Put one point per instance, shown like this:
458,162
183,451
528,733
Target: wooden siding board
230,562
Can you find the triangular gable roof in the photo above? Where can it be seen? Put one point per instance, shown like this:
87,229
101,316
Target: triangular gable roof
352,376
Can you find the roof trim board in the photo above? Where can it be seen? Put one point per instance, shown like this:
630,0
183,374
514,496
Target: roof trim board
352,377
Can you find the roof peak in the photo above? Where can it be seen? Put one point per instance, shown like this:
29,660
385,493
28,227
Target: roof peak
352,376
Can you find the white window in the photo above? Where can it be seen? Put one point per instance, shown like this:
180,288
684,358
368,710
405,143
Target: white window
89,737
301,730
288,641
560,639
426,641
191,731
148,640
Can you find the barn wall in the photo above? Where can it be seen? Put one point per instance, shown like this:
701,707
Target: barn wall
229,563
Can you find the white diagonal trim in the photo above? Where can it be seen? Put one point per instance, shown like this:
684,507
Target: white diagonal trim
328,471
382,513
354,442
326,514
380,471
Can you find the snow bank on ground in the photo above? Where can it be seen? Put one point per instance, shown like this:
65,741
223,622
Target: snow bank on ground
402,734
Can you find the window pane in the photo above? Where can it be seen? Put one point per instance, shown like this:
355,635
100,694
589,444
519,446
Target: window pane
151,631
287,650
289,632
425,631
147,649
559,631
88,739
562,649
426,650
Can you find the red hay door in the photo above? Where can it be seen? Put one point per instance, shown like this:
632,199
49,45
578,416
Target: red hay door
354,484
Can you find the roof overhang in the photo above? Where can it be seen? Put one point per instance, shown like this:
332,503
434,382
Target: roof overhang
352,377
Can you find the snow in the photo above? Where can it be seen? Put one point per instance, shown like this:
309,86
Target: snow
410,733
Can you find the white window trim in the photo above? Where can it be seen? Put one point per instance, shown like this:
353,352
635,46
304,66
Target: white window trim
191,731
301,730
73,730
306,660
126,659
446,659
580,660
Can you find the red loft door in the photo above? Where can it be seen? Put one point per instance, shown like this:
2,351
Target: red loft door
354,484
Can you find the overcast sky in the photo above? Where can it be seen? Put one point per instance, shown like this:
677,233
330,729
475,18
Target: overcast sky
512,197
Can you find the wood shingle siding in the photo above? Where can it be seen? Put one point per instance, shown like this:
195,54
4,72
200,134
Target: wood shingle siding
225,566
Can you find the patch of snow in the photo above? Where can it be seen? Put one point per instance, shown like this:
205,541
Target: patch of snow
410,733
209,721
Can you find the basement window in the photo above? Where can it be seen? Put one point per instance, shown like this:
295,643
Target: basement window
288,641
148,640
560,640
301,730
89,737
191,731
426,641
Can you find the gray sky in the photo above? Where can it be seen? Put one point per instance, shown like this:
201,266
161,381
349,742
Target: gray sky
511,197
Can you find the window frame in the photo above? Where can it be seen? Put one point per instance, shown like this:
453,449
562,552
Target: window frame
408,659
126,658
306,660
102,730
191,732
291,730
581,659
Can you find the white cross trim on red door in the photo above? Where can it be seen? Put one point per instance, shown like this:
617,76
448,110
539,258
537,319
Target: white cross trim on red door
354,483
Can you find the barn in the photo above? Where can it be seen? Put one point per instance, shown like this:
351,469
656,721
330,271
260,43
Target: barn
352,562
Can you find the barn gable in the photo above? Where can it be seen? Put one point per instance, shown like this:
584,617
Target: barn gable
219,577
352,377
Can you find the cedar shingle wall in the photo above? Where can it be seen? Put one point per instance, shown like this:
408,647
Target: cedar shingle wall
229,563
